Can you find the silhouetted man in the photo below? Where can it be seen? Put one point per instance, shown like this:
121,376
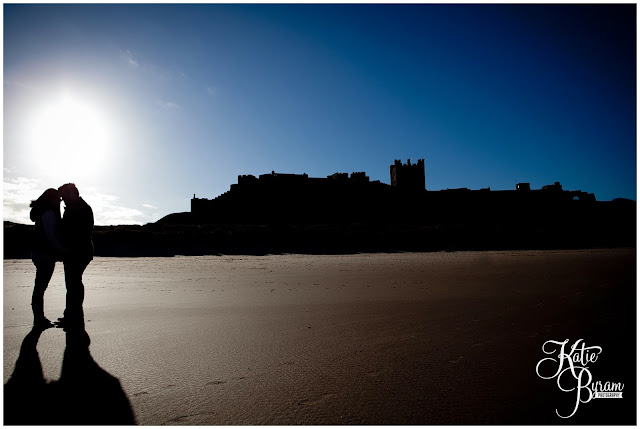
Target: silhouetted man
77,229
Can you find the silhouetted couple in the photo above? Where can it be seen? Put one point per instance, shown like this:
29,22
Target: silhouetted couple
61,238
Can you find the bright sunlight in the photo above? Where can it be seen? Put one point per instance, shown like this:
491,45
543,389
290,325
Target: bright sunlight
69,139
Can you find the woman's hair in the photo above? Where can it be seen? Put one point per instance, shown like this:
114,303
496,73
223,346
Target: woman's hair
49,200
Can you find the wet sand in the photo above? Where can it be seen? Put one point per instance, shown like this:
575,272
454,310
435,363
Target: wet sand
406,338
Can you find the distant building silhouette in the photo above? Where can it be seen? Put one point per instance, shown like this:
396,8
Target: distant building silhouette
556,187
340,197
407,176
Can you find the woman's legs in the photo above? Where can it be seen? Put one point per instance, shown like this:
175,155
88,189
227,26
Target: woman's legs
44,271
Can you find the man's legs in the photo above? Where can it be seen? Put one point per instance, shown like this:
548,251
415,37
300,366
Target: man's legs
44,271
73,270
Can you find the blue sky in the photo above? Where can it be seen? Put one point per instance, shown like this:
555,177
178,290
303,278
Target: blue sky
171,100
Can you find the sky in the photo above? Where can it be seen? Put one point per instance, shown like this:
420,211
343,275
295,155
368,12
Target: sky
143,106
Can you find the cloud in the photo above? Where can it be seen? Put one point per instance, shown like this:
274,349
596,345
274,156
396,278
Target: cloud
107,210
166,75
17,194
152,71
169,105
127,56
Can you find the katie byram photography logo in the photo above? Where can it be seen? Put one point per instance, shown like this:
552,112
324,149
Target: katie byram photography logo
570,366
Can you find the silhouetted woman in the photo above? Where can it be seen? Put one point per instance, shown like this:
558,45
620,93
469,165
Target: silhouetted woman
46,249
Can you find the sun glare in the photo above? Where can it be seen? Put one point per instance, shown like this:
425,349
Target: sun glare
69,139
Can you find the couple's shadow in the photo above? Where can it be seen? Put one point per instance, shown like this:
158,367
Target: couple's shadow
85,394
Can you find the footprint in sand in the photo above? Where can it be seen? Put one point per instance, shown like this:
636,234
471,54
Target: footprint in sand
184,419
316,400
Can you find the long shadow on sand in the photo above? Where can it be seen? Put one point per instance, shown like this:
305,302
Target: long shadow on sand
85,394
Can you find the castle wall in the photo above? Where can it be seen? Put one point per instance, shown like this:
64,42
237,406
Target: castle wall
297,198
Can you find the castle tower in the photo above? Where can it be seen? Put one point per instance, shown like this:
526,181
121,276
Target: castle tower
408,176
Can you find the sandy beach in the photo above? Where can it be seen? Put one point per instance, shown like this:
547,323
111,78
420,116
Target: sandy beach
404,338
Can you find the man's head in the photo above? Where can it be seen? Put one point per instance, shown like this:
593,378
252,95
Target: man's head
68,193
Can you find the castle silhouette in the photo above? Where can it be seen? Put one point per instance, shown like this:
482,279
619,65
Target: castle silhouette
338,198
342,213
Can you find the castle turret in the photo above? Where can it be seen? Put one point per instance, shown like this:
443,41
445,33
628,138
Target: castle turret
408,176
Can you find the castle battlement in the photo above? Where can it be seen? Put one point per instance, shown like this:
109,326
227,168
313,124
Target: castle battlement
407,176
342,197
